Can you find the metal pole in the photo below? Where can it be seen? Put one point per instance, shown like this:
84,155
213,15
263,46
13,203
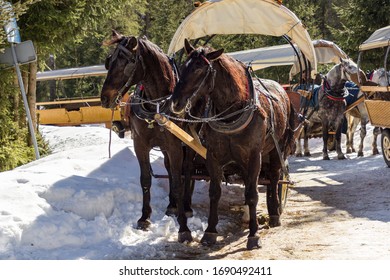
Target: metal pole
21,85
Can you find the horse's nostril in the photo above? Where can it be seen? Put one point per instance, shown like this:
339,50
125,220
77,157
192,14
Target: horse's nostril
104,100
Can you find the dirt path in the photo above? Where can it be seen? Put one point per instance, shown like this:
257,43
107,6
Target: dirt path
337,210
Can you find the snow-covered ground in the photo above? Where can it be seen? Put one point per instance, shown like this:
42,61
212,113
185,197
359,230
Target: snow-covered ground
78,203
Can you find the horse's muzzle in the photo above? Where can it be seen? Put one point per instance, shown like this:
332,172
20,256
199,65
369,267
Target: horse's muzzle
105,101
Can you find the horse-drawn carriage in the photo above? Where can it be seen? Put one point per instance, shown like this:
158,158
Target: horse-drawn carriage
247,130
377,99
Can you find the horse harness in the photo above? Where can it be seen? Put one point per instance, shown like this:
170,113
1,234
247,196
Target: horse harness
216,122
139,104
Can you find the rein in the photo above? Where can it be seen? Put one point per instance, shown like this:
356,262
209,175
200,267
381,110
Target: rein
210,70
214,121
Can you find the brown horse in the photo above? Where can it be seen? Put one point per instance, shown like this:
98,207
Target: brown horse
139,61
239,132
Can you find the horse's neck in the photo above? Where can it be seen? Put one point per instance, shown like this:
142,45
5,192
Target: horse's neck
226,97
156,84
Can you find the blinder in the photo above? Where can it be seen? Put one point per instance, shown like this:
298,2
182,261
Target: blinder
129,56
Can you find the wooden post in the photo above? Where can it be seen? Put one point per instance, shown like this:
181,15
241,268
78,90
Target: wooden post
181,134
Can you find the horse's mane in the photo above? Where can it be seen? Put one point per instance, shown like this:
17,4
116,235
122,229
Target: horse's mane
159,58
234,76
237,76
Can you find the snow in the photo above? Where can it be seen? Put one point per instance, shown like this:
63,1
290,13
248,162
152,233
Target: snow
78,203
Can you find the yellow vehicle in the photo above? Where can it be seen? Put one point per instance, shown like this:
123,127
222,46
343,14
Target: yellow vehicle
79,111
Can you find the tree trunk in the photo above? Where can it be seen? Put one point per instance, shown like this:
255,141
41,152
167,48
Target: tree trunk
32,92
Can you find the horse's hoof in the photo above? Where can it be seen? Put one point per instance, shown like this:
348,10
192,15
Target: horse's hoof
307,154
375,152
299,155
143,224
171,211
325,158
360,154
341,156
274,221
349,151
209,238
253,243
185,236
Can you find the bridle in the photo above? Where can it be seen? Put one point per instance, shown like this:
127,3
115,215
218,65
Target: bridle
131,59
210,71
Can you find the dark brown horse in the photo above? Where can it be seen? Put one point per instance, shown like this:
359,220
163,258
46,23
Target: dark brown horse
239,130
139,61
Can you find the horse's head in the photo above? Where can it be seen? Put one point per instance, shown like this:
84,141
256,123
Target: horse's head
197,77
380,77
123,69
348,68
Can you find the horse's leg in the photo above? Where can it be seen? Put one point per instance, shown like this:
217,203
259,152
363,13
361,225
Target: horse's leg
363,133
376,132
273,203
215,172
298,152
350,133
172,207
306,143
176,157
189,183
251,176
340,154
142,153
325,136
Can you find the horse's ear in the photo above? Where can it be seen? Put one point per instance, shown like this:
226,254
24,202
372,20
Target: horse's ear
214,55
188,47
115,38
343,61
132,44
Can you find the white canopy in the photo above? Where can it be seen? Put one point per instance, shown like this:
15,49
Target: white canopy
72,73
266,17
266,57
380,38
326,52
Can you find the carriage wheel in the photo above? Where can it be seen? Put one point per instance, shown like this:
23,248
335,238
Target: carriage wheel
119,129
283,190
386,145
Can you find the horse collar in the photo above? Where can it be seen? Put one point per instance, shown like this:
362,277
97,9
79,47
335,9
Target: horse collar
245,115
138,106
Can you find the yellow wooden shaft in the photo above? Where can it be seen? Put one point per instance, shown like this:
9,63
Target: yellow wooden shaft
181,134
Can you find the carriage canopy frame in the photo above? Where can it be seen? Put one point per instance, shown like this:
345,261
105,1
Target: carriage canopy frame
263,17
